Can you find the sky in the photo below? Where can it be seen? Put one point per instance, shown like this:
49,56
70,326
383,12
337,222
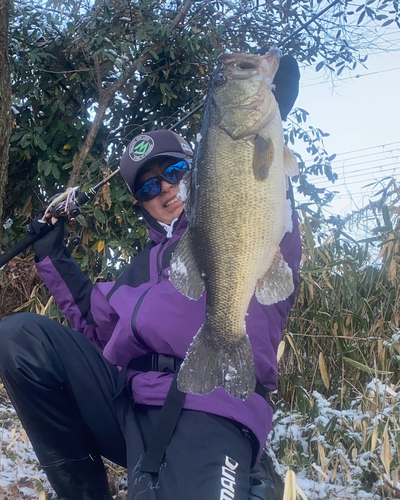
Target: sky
361,112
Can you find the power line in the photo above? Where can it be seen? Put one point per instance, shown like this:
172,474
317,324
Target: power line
391,166
357,150
369,154
351,77
376,160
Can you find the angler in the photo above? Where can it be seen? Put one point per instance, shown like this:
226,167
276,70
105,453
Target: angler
107,386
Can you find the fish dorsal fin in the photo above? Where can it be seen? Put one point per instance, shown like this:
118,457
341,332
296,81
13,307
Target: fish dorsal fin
290,162
263,157
184,273
277,283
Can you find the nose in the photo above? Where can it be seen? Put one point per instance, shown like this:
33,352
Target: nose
165,186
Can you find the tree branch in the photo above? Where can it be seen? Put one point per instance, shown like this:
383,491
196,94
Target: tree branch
5,104
108,95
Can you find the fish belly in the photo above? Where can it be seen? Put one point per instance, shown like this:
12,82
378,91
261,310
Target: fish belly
236,228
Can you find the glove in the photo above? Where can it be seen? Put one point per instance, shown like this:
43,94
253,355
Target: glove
287,84
50,244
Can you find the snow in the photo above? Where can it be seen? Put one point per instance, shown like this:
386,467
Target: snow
19,468
327,448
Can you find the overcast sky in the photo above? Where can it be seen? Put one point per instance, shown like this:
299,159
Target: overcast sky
361,112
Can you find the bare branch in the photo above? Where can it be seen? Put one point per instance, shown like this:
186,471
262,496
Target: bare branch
181,14
108,95
98,77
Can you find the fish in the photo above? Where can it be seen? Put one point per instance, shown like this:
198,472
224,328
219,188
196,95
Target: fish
235,200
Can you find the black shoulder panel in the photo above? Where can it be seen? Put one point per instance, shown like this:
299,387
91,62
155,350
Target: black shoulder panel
77,282
137,273
168,254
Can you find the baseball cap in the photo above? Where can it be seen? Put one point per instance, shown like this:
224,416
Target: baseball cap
147,146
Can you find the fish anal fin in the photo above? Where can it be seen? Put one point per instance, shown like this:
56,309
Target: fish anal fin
277,284
263,157
184,273
209,365
290,162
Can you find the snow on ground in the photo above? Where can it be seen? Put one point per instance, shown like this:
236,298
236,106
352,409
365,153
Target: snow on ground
20,477
321,448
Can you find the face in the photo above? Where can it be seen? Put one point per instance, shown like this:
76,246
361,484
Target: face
165,207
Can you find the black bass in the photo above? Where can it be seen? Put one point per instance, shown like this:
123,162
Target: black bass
237,215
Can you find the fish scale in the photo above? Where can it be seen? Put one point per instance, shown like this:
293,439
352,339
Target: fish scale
237,215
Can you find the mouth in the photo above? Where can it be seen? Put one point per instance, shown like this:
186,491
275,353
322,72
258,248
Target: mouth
173,200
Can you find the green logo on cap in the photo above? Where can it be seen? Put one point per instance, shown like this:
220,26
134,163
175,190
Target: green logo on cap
140,147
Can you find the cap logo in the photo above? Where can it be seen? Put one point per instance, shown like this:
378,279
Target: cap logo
140,147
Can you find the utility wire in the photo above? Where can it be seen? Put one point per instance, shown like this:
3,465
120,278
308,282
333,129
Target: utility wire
351,77
373,167
358,150
347,166
344,182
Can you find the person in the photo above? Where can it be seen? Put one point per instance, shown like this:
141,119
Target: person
106,386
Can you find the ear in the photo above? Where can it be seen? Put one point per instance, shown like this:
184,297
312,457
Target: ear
137,203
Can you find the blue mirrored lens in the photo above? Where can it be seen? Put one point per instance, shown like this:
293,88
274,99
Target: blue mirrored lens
174,173
152,187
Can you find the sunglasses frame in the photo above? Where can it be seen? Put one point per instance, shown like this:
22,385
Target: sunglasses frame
160,178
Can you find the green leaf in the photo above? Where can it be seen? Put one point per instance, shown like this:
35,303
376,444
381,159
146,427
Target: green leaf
364,368
40,142
362,15
26,140
55,171
99,216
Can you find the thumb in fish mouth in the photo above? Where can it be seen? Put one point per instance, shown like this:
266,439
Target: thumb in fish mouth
211,363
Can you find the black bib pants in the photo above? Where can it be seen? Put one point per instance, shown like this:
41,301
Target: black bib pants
63,391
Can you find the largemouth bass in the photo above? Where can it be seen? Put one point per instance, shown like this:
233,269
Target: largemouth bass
237,215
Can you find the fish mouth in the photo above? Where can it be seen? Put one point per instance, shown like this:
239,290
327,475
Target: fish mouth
244,66
241,62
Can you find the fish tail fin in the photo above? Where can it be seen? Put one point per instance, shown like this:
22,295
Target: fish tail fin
210,364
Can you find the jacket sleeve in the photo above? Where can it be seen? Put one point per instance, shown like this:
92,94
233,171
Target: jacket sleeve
84,304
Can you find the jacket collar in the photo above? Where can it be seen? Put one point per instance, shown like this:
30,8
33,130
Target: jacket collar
156,232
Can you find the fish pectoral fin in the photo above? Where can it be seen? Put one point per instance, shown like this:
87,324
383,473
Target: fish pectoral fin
184,273
264,153
277,284
290,162
212,362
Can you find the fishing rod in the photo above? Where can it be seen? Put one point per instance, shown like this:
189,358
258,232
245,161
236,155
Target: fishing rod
73,202
62,205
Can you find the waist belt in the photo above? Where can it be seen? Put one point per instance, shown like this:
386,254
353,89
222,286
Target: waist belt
172,407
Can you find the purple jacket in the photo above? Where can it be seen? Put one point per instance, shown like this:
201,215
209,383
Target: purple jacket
142,313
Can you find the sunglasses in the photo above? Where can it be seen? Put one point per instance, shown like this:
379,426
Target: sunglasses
152,187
